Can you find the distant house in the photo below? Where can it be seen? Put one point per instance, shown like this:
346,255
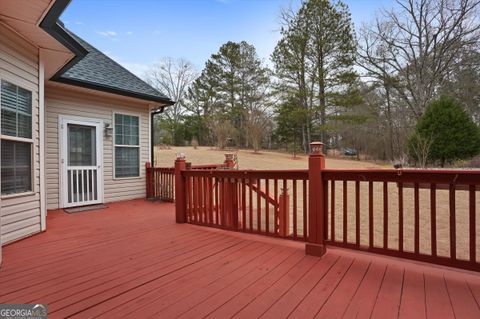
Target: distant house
75,125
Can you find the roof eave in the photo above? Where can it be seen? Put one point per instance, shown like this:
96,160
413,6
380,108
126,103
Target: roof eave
109,89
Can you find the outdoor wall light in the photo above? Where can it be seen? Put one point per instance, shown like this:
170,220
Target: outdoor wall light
108,129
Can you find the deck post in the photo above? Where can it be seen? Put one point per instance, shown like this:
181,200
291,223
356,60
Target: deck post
315,245
230,194
229,162
180,199
149,179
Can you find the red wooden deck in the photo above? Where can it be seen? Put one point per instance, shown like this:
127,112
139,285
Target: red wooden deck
132,260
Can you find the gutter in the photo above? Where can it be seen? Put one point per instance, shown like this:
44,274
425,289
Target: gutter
152,133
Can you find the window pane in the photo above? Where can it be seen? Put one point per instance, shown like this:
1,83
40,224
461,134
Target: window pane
81,145
24,100
16,167
126,129
16,105
9,96
126,161
24,128
9,122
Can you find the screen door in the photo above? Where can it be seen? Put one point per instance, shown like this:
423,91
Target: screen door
82,178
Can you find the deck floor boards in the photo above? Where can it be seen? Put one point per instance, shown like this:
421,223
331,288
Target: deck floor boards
132,261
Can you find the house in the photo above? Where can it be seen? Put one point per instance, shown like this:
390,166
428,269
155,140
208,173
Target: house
75,125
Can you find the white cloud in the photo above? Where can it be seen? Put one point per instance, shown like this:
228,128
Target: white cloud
79,22
138,69
129,33
108,34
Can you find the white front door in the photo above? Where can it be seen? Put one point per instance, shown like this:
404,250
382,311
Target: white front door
81,160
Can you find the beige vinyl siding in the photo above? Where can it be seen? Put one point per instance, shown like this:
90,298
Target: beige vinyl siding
19,64
70,103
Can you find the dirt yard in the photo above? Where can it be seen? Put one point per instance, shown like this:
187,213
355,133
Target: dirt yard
274,160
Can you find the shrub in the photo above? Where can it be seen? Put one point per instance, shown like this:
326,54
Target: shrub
449,131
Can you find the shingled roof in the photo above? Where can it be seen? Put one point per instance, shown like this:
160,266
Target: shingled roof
96,70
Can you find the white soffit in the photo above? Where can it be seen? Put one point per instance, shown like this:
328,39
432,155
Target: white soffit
24,17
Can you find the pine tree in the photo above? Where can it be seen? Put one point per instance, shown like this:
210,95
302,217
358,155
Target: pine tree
233,88
315,59
450,131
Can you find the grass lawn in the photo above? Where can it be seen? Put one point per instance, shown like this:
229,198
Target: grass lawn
275,160
250,160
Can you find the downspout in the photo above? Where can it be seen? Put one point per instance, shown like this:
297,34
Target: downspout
152,133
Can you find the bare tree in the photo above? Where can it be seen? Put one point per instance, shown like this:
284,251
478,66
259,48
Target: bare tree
173,77
414,48
421,147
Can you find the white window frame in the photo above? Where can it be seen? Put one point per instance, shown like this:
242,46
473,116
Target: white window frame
22,140
132,146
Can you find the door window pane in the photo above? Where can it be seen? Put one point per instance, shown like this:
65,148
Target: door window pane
16,167
81,145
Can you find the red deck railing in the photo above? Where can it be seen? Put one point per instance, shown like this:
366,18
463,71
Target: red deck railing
425,215
160,183
263,202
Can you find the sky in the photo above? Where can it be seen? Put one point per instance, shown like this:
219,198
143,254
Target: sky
137,33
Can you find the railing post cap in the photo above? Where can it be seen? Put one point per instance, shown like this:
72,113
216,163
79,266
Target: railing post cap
180,156
316,148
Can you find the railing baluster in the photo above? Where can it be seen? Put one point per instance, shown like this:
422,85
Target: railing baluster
325,209
286,217
267,204
370,214
277,207
195,199
205,200
259,206
222,203
305,209
345,212
417,217
433,219
357,213
400,217
453,245
385,215
244,205
217,202
210,199
250,202
294,190
332,210
472,222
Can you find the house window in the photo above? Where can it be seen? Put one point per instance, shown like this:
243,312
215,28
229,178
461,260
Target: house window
16,139
127,146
